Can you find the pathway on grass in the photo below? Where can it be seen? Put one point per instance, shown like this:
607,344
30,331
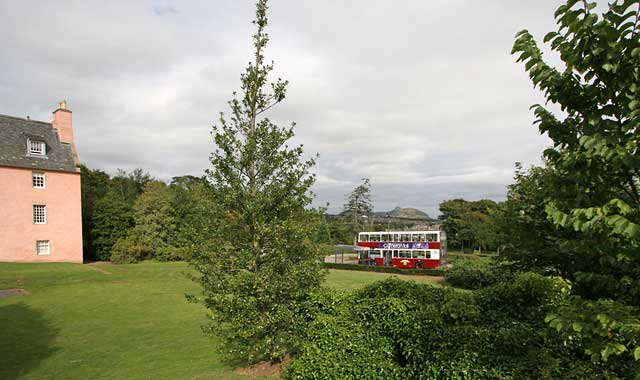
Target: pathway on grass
96,267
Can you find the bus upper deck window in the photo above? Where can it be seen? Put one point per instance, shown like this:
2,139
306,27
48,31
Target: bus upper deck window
384,237
432,237
396,237
418,237
405,237
364,237
374,237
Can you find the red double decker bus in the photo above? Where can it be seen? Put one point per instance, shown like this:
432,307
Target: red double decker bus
404,249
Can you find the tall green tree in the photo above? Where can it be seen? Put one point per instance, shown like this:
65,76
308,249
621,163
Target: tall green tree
131,184
94,185
154,215
111,221
154,233
260,262
194,210
358,208
470,224
595,143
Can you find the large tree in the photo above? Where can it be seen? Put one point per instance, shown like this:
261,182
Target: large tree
260,262
94,185
358,208
469,224
110,221
595,144
131,184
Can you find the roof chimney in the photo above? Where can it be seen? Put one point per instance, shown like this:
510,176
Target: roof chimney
62,122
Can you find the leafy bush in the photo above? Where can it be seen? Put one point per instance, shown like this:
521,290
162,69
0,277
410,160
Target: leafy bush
171,253
477,278
397,329
128,251
472,272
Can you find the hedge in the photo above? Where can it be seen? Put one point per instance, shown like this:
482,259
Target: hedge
398,330
373,268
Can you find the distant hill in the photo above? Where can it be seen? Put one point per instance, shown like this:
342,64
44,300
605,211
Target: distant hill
404,213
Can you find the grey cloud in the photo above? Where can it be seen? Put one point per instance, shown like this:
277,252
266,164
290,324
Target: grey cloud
422,97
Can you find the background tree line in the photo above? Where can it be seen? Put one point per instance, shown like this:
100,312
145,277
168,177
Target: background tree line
132,216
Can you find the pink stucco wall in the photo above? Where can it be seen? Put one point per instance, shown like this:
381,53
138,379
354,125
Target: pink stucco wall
18,233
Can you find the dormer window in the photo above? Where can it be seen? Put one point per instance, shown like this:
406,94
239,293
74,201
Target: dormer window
37,148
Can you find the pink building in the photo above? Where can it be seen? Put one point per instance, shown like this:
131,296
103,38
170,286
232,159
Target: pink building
40,211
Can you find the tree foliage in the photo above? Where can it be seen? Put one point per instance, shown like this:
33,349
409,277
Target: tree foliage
530,240
111,221
358,209
155,224
397,329
94,185
469,224
260,261
595,145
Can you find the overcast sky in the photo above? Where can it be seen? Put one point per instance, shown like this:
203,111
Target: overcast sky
422,97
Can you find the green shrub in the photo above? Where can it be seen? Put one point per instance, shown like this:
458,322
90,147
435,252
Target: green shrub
477,278
128,251
397,329
172,254
473,272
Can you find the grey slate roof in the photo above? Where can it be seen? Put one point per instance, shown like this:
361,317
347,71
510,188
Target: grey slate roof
15,131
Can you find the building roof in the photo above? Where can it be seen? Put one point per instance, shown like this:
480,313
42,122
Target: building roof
14,133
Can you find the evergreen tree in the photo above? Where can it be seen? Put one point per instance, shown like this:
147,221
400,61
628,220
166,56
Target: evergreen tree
358,208
260,262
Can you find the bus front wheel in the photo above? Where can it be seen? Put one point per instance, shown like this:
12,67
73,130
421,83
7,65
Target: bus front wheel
419,265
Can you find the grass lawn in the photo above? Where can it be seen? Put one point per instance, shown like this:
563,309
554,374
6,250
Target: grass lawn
112,322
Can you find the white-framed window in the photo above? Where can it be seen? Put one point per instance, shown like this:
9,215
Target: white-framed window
38,180
37,148
43,248
39,214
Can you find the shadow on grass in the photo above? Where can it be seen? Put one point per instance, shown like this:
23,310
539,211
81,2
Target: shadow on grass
25,340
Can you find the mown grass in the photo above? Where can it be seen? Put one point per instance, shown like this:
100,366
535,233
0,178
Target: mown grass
112,322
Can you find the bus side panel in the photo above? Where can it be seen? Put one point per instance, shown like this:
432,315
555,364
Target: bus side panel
431,264
399,262
405,263
368,244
